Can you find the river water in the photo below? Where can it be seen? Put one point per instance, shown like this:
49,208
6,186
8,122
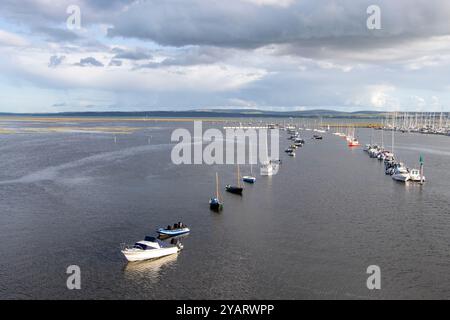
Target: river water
71,197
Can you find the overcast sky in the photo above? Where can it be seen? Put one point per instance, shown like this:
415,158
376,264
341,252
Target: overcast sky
199,54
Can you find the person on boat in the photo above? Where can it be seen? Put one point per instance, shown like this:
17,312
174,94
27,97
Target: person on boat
169,227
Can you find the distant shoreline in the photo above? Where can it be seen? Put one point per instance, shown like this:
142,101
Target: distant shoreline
213,113
196,114
332,122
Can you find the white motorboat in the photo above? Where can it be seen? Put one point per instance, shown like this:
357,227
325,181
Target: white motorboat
414,175
269,169
150,248
401,174
402,177
266,169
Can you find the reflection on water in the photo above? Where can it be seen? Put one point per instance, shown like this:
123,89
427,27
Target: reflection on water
148,270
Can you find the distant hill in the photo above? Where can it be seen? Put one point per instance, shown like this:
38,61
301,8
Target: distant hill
216,113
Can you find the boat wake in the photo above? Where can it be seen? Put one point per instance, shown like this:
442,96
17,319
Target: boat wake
52,173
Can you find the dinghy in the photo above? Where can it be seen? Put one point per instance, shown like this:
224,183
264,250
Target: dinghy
173,232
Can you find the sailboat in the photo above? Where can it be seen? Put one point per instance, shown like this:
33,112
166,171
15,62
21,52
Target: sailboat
270,167
235,189
250,178
215,203
352,141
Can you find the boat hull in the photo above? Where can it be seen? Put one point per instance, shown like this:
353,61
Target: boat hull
417,179
234,190
173,233
269,170
400,177
215,206
249,179
140,255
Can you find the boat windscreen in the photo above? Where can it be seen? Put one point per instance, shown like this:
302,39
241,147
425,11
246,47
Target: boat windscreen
150,239
138,245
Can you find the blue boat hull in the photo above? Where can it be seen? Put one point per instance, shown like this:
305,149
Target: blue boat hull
173,233
249,180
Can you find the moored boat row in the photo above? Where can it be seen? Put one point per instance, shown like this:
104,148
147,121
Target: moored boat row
393,167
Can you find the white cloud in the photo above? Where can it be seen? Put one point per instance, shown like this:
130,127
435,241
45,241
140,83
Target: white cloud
275,3
380,96
11,39
215,77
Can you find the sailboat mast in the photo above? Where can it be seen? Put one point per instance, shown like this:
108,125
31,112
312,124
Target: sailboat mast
250,159
238,180
217,186
393,132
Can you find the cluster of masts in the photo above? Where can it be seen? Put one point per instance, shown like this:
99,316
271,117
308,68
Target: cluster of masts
396,169
420,122
349,135
423,122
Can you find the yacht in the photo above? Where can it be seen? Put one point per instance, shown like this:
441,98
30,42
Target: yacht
269,169
353,143
250,178
400,173
214,203
150,248
238,188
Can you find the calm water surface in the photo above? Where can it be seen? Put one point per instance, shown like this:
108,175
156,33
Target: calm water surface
309,232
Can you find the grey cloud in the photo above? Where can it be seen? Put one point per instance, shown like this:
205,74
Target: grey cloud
241,24
115,63
89,62
55,61
137,54
326,30
49,18
57,34
199,55
58,105
238,23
